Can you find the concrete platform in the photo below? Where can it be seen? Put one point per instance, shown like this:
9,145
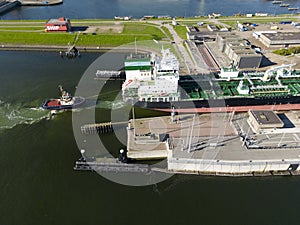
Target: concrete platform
144,141
218,143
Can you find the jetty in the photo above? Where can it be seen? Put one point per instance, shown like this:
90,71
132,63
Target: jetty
110,165
99,128
109,75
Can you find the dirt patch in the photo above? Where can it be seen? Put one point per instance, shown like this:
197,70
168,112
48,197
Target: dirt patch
106,29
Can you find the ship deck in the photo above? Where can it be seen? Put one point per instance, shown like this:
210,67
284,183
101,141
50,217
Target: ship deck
53,103
281,107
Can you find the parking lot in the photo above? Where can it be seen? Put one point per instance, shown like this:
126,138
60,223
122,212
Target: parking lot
268,52
286,137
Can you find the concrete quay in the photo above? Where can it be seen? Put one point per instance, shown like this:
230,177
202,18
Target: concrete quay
222,144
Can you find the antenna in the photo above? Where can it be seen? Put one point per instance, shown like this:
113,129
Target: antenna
135,48
173,115
133,119
191,134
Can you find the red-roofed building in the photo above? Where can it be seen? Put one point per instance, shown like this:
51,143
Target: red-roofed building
60,24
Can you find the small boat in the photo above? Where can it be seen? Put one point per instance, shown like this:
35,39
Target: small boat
66,101
284,5
293,9
276,2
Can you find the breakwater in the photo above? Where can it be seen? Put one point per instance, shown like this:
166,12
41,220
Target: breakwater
6,6
40,2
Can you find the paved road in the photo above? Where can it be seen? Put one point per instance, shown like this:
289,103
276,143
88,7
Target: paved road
193,63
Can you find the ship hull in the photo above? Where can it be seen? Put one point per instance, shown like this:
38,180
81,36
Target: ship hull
53,104
213,103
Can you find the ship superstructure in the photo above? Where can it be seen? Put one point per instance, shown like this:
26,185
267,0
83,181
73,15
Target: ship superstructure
152,81
151,78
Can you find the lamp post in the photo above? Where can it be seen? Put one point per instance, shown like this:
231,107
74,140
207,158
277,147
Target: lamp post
82,151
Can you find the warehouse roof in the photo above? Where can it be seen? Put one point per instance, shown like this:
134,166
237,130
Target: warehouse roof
266,117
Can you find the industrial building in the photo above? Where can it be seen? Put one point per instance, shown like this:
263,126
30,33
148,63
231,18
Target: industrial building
227,49
60,24
264,119
280,39
198,37
236,49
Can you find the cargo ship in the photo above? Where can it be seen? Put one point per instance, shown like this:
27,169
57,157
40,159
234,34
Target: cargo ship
66,101
154,82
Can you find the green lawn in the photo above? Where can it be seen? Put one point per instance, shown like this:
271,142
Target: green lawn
166,30
259,20
181,31
289,51
10,37
110,40
19,28
140,31
143,28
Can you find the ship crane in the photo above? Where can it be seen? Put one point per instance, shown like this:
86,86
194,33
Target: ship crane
270,72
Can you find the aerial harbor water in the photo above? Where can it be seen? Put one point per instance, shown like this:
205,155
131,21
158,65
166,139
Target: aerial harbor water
93,9
39,186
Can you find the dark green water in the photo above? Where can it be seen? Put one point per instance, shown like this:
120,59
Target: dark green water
39,186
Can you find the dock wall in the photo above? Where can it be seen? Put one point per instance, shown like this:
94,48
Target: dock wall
234,167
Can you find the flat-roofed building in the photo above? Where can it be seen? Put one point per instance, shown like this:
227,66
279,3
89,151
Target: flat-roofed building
280,39
212,28
264,119
223,39
237,50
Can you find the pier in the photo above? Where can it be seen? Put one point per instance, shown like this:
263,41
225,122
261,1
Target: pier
110,165
222,144
110,75
99,128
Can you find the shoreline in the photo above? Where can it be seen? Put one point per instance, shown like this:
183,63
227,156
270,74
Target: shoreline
51,48
40,2
58,48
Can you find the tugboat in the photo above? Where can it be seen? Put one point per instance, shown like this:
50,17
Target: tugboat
66,101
